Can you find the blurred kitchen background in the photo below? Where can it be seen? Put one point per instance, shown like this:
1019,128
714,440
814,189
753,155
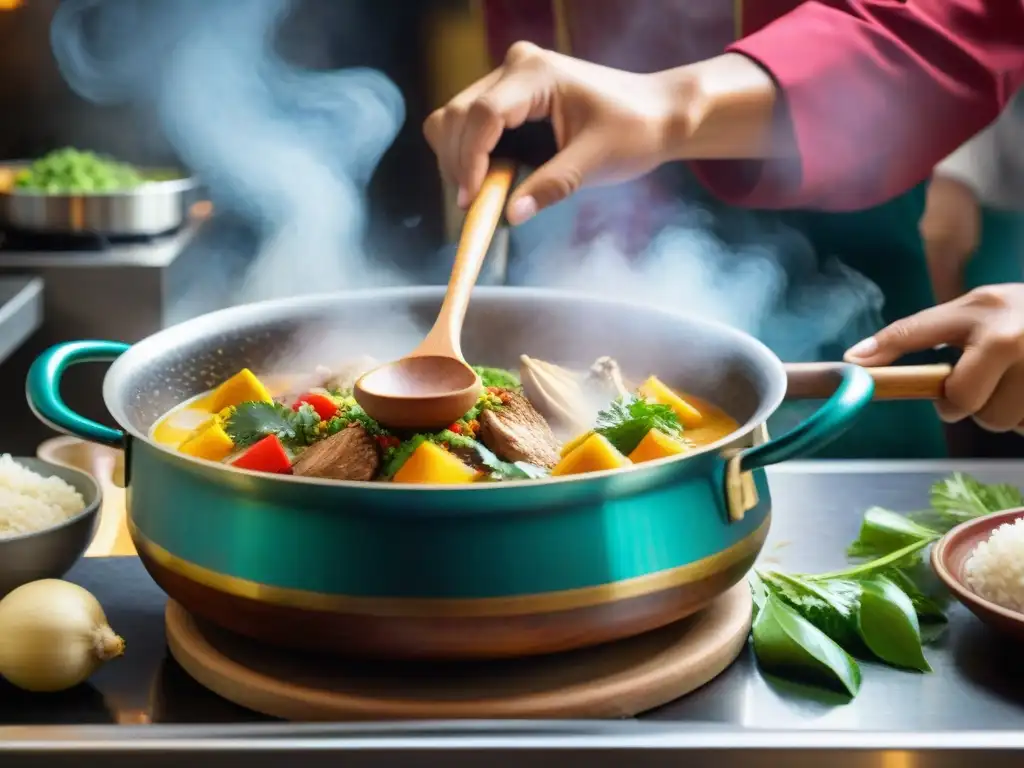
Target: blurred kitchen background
59,288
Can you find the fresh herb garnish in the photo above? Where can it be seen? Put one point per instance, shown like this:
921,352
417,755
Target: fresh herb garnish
507,470
497,377
887,607
250,422
628,419
352,413
787,644
961,497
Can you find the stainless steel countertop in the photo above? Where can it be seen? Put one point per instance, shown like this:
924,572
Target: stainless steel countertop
974,700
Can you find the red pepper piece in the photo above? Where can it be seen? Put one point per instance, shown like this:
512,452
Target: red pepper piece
268,455
323,405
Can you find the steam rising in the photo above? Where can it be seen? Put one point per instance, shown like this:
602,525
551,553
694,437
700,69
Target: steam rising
290,151
746,269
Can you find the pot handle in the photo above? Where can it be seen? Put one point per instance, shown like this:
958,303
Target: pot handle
42,388
836,415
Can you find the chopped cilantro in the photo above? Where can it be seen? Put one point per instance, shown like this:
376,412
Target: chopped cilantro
250,422
497,377
399,455
628,419
506,470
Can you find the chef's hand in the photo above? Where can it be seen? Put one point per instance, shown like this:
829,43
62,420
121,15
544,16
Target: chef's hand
950,230
609,125
987,383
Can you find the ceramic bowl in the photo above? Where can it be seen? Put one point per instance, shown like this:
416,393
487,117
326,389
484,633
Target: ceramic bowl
949,558
50,553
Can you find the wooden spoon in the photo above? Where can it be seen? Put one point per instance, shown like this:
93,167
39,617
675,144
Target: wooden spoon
817,381
433,386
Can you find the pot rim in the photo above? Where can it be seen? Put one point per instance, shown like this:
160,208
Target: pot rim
264,311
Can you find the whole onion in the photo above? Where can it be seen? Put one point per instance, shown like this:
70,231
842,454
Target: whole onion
53,636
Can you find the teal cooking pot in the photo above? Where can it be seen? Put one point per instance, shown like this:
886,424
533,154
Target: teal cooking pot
485,570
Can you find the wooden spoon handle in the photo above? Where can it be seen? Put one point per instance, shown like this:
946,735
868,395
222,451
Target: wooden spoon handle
817,381
482,219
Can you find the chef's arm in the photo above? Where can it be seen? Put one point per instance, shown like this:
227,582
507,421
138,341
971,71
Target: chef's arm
871,94
951,223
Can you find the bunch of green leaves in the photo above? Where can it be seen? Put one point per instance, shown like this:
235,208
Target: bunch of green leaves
885,607
628,419
815,625
250,422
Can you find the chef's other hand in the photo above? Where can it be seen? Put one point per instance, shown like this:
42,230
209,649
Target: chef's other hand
609,125
950,231
987,383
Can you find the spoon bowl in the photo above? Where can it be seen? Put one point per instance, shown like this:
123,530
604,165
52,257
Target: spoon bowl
433,387
428,392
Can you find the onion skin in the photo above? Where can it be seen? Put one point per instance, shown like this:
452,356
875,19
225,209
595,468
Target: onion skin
53,636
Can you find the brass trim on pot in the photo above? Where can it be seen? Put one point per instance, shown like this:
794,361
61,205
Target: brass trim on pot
548,602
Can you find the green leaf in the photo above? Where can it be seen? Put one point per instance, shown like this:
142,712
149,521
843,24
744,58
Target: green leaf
628,419
250,422
830,606
758,591
883,532
923,589
906,557
788,645
505,470
887,623
960,497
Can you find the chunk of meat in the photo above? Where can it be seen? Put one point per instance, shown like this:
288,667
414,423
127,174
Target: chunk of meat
517,432
351,454
606,376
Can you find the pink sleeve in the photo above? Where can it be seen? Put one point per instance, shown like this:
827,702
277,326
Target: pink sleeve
874,94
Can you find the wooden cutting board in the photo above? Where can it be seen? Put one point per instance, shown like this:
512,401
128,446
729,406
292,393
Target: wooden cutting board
616,680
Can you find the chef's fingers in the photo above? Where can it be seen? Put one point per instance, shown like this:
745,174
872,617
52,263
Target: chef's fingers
557,179
521,91
518,96
950,323
1005,408
443,127
975,377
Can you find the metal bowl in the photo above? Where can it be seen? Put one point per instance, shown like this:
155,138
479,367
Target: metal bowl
153,208
50,553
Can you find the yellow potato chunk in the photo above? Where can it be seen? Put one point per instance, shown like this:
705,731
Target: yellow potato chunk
657,391
592,455
211,443
573,444
433,464
656,445
243,387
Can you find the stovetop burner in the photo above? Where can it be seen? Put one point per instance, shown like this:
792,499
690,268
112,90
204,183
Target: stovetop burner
90,242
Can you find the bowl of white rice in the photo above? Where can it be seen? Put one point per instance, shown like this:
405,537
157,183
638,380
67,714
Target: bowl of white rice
982,563
48,516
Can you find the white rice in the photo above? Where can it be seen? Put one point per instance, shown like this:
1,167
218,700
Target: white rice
31,502
995,569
